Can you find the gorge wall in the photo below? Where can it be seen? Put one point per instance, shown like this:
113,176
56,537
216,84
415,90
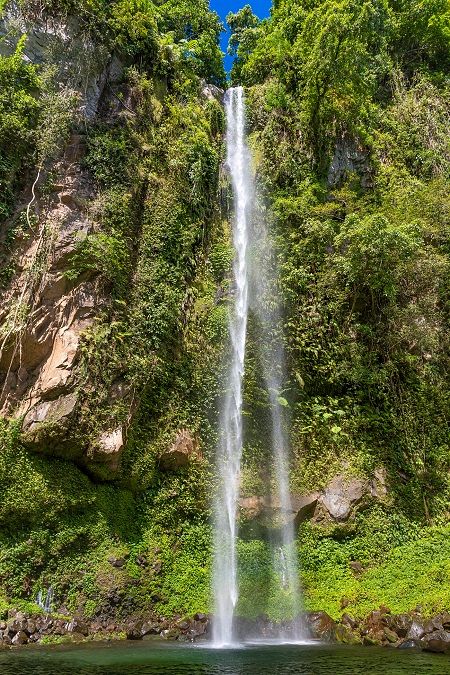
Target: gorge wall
115,280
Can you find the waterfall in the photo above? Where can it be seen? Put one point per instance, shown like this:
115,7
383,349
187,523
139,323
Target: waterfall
229,460
266,308
252,287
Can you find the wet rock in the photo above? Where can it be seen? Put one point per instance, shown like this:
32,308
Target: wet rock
372,640
416,631
149,628
390,635
438,641
445,621
197,629
201,617
141,629
345,635
59,627
20,638
409,644
77,626
31,627
400,624
18,623
170,633
321,625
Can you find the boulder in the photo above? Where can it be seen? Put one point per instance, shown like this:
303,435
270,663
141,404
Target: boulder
409,644
170,633
304,507
345,635
267,513
106,452
438,641
182,451
50,427
342,495
416,631
320,625
399,623
77,626
20,638
349,621
390,635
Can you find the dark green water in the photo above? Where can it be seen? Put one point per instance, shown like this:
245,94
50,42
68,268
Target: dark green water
155,659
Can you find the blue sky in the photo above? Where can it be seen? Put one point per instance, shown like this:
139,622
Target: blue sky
222,7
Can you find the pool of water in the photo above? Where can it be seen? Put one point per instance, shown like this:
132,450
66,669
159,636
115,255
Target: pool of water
152,658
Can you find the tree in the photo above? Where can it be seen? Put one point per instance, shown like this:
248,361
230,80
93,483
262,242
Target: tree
244,33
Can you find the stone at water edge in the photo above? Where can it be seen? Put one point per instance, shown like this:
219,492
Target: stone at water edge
399,623
416,631
409,644
438,641
77,626
390,635
20,638
321,625
345,635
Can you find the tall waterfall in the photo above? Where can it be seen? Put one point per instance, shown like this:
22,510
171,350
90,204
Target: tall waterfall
229,460
252,289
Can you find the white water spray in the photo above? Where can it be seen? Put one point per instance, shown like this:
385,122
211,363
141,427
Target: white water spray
229,460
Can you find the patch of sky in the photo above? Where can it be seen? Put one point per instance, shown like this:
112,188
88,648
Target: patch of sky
260,7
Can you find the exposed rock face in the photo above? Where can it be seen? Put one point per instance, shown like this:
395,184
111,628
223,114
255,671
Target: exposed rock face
337,503
39,355
268,512
349,157
108,449
183,450
83,64
45,311
341,496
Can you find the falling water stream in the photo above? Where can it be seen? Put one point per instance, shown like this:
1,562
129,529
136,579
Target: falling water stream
229,459
249,284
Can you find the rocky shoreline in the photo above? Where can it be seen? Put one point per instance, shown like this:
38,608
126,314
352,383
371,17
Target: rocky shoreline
379,628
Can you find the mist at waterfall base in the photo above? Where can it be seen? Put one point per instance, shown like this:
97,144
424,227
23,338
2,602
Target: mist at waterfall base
254,291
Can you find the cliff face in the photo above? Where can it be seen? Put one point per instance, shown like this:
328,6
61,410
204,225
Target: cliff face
48,306
114,288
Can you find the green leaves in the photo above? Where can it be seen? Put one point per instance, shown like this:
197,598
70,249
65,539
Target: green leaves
19,115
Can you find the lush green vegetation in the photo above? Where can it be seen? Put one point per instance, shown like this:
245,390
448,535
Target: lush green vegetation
155,170
349,109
